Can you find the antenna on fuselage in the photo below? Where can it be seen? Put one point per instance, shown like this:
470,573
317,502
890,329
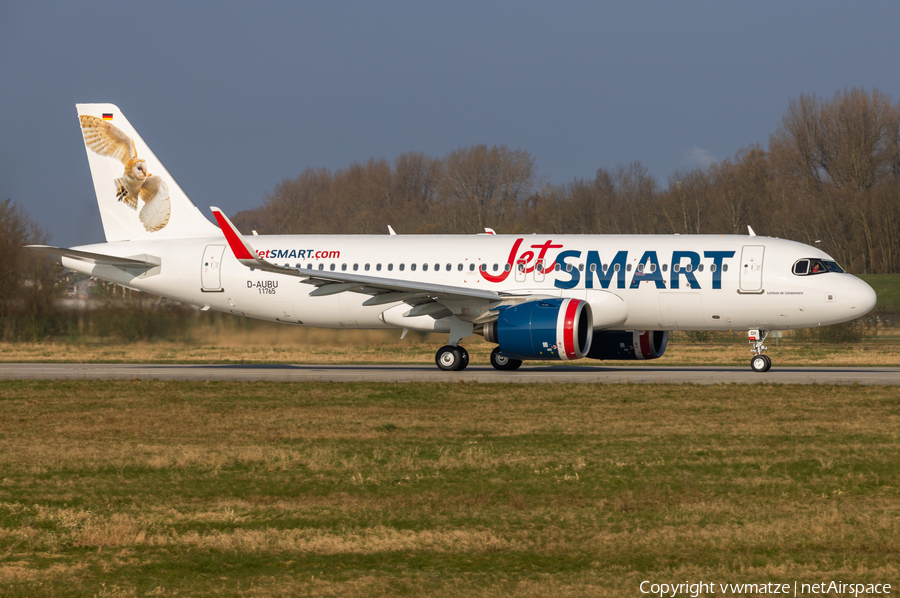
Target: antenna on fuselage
752,234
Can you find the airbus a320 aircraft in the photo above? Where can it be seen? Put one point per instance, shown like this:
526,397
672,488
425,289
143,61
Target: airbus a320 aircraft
538,297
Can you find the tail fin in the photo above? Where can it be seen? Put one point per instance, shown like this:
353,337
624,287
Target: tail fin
138,197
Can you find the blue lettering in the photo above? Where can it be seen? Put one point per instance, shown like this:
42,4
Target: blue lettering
293,253
301,253
680,270
574,274
604,276
651,271
717,257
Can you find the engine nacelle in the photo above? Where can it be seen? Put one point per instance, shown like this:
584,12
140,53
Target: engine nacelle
628,344
543,329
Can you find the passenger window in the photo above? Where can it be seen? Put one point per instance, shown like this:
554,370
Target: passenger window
606,267
640,268
712,267
700,268
617,268
568,267
424,267
437,267
459,267
402,267
724,267
581,267
593,267
321,266
557,266
627,268
378,267
484,267
412,267
343,267
355,267
449,267
331,267
676,267
652,267
471,267
506,267
496,267
390,267
665,267
367,267
689,267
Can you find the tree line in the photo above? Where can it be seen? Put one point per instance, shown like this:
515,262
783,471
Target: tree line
829,176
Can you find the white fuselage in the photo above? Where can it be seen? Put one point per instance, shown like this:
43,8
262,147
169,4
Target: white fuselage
734,282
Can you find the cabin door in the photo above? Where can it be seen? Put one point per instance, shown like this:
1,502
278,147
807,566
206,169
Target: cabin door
211,269
752,267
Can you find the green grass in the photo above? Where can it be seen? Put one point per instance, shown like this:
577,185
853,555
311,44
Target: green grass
262,489
887,287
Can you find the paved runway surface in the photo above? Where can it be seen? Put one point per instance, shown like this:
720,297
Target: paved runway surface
428,373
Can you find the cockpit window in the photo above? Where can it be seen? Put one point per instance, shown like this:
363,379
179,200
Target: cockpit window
809,266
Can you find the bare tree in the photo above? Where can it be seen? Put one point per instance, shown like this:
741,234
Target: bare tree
485,186
29,282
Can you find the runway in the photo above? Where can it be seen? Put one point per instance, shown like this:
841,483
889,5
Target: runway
428,373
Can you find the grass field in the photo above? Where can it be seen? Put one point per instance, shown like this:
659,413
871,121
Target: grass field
260,489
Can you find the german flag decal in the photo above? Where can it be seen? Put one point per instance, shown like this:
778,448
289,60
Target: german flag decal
107,116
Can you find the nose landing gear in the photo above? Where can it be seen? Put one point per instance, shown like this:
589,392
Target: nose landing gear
759,362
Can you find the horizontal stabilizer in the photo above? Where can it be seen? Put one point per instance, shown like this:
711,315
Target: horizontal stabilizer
135,261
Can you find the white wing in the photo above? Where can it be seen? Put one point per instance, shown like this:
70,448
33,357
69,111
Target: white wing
104,139
155,213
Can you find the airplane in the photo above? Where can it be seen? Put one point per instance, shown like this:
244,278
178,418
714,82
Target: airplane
536,296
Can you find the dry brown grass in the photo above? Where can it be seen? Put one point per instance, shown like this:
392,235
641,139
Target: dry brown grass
255,489
376,347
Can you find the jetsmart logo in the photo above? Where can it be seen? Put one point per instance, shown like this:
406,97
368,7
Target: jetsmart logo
303,254
681,269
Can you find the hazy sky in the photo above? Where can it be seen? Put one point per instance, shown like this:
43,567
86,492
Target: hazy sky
234,97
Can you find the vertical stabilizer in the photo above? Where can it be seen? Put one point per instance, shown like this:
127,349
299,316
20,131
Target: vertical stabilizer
138,197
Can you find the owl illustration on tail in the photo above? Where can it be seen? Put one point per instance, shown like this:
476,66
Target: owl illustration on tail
104,139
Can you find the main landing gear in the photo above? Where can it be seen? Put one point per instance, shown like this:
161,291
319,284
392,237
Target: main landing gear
502,362
759,362
452,359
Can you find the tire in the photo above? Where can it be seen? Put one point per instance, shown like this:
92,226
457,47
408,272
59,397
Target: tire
768,363
504,363
448,358
760,363
464,358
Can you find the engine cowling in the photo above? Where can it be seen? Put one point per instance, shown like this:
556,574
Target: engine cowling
628,344
557,329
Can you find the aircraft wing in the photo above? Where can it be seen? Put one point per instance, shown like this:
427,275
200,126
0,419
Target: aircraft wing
385,290
136,261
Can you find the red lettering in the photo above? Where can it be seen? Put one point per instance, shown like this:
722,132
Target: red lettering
502,276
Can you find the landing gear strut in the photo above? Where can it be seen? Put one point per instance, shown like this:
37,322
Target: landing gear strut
759,362
451,359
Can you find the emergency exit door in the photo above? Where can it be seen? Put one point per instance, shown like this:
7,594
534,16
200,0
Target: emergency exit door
211,269
752,268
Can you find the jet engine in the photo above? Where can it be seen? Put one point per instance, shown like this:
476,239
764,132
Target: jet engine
543,329
628,344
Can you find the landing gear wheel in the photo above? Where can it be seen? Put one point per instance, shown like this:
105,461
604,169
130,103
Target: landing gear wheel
760,363
464,358
502,362
449,358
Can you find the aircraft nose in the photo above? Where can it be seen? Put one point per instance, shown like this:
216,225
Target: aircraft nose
862,297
